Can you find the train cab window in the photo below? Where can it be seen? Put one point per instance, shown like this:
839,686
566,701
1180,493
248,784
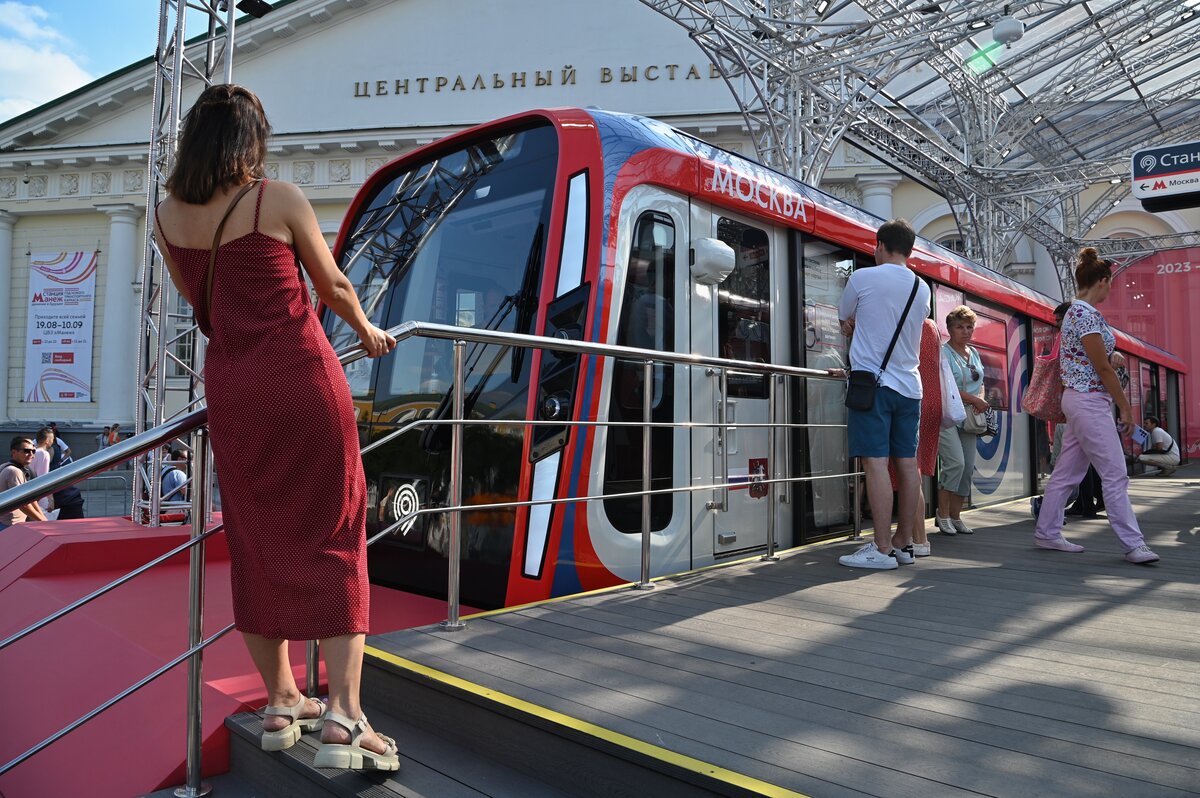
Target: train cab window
744,305
647,321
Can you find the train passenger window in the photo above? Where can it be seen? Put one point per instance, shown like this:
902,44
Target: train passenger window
744,305
648,322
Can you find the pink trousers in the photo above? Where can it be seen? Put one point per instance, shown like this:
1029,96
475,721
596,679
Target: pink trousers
1091,437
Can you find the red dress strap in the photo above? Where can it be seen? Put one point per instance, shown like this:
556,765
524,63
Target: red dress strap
161,232
258,202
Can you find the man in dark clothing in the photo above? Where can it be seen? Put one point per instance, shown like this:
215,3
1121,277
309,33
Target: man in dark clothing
69,500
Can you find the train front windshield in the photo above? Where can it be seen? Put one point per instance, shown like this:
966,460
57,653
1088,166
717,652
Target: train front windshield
457,240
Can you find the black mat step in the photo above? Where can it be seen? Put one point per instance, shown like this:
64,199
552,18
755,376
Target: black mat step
430,767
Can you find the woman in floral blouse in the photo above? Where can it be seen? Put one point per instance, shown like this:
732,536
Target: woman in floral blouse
1090,388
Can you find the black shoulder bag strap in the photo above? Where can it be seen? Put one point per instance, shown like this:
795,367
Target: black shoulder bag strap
900,326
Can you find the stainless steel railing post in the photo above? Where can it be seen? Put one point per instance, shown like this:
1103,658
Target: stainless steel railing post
312,669
858,491
772,468
647,409
195,730
452,622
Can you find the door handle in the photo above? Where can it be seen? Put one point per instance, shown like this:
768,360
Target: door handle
720,434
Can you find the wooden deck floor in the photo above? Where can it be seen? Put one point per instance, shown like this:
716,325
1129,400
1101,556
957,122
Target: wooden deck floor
992,668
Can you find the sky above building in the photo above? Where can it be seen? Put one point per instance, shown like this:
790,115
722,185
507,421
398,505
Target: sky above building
53,47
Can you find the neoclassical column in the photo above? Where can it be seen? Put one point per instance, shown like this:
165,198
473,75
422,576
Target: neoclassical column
7,221
877,193
118,359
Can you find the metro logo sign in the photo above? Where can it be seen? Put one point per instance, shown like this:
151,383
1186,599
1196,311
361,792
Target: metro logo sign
1166,178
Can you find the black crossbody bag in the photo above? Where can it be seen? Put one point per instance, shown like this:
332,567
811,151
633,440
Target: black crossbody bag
860,391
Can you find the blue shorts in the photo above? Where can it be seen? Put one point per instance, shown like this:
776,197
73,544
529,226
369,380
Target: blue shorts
889,429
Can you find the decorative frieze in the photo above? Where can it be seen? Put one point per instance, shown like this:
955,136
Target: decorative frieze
303,172
271,170
374,164
339,171
101,182
8,187
68,184
134,179
37,186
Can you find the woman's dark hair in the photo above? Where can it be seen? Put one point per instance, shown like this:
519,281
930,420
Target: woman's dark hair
1091,268
1061,310
223,143
1153,420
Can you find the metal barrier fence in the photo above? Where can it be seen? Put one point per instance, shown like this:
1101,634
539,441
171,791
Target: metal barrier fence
202,483
105,495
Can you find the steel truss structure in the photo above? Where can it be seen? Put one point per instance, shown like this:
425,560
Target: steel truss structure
1026,139
170,352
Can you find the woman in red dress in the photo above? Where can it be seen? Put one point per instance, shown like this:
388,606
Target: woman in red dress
294,512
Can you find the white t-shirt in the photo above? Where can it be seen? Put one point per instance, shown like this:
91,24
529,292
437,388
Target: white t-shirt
875,297
1161,440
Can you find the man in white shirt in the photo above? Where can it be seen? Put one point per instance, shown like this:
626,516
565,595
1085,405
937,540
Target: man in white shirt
870,310
1162,451
41,463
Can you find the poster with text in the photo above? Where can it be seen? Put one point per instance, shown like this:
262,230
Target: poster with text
62,304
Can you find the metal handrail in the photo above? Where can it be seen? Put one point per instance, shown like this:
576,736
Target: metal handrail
140,444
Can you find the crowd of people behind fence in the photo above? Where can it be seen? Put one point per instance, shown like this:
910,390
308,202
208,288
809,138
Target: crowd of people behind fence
884,311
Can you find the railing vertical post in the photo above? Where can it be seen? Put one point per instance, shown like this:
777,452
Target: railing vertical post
724,501
194,786
772,468
858,491
312,669
452,621
647,409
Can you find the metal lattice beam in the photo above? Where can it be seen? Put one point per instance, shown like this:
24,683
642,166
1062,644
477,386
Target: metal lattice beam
170,349
1011,136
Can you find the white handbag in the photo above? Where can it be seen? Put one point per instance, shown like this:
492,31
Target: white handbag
953,411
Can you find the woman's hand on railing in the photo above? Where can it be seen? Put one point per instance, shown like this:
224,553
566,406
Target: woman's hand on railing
375,341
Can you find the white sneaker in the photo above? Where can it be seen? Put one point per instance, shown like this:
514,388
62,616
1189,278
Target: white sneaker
903,556
869,557
961,528
1141,555
944,526
920,549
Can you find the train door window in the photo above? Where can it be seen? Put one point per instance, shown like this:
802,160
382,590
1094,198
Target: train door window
826,268
647,321
744,305
991,341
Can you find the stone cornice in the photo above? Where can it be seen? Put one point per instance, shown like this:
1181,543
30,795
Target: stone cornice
110,93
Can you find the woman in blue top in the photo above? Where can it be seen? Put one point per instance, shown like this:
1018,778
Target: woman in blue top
956,446
1090,388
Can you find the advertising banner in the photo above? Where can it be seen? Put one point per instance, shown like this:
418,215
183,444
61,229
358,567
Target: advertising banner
58,348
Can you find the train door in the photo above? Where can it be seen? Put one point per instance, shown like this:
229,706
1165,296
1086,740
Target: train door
740,318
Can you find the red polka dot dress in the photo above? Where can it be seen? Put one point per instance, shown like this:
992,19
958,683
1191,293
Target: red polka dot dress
293,495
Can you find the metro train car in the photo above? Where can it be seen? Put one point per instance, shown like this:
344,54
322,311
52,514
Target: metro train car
600,226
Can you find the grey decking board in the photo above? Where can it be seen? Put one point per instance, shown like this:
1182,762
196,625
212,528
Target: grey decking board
916,653
1002,646
762,687
498,675
1102,652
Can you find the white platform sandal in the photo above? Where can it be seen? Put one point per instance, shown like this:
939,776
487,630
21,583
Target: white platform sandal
289,735
353,756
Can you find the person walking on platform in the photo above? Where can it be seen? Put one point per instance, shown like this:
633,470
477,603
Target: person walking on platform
295,514
1090,389
884,308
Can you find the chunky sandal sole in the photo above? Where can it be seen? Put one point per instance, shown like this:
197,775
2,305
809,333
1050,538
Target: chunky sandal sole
285,738
353,757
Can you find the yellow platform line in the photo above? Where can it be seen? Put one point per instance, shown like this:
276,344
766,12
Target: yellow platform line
659,753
